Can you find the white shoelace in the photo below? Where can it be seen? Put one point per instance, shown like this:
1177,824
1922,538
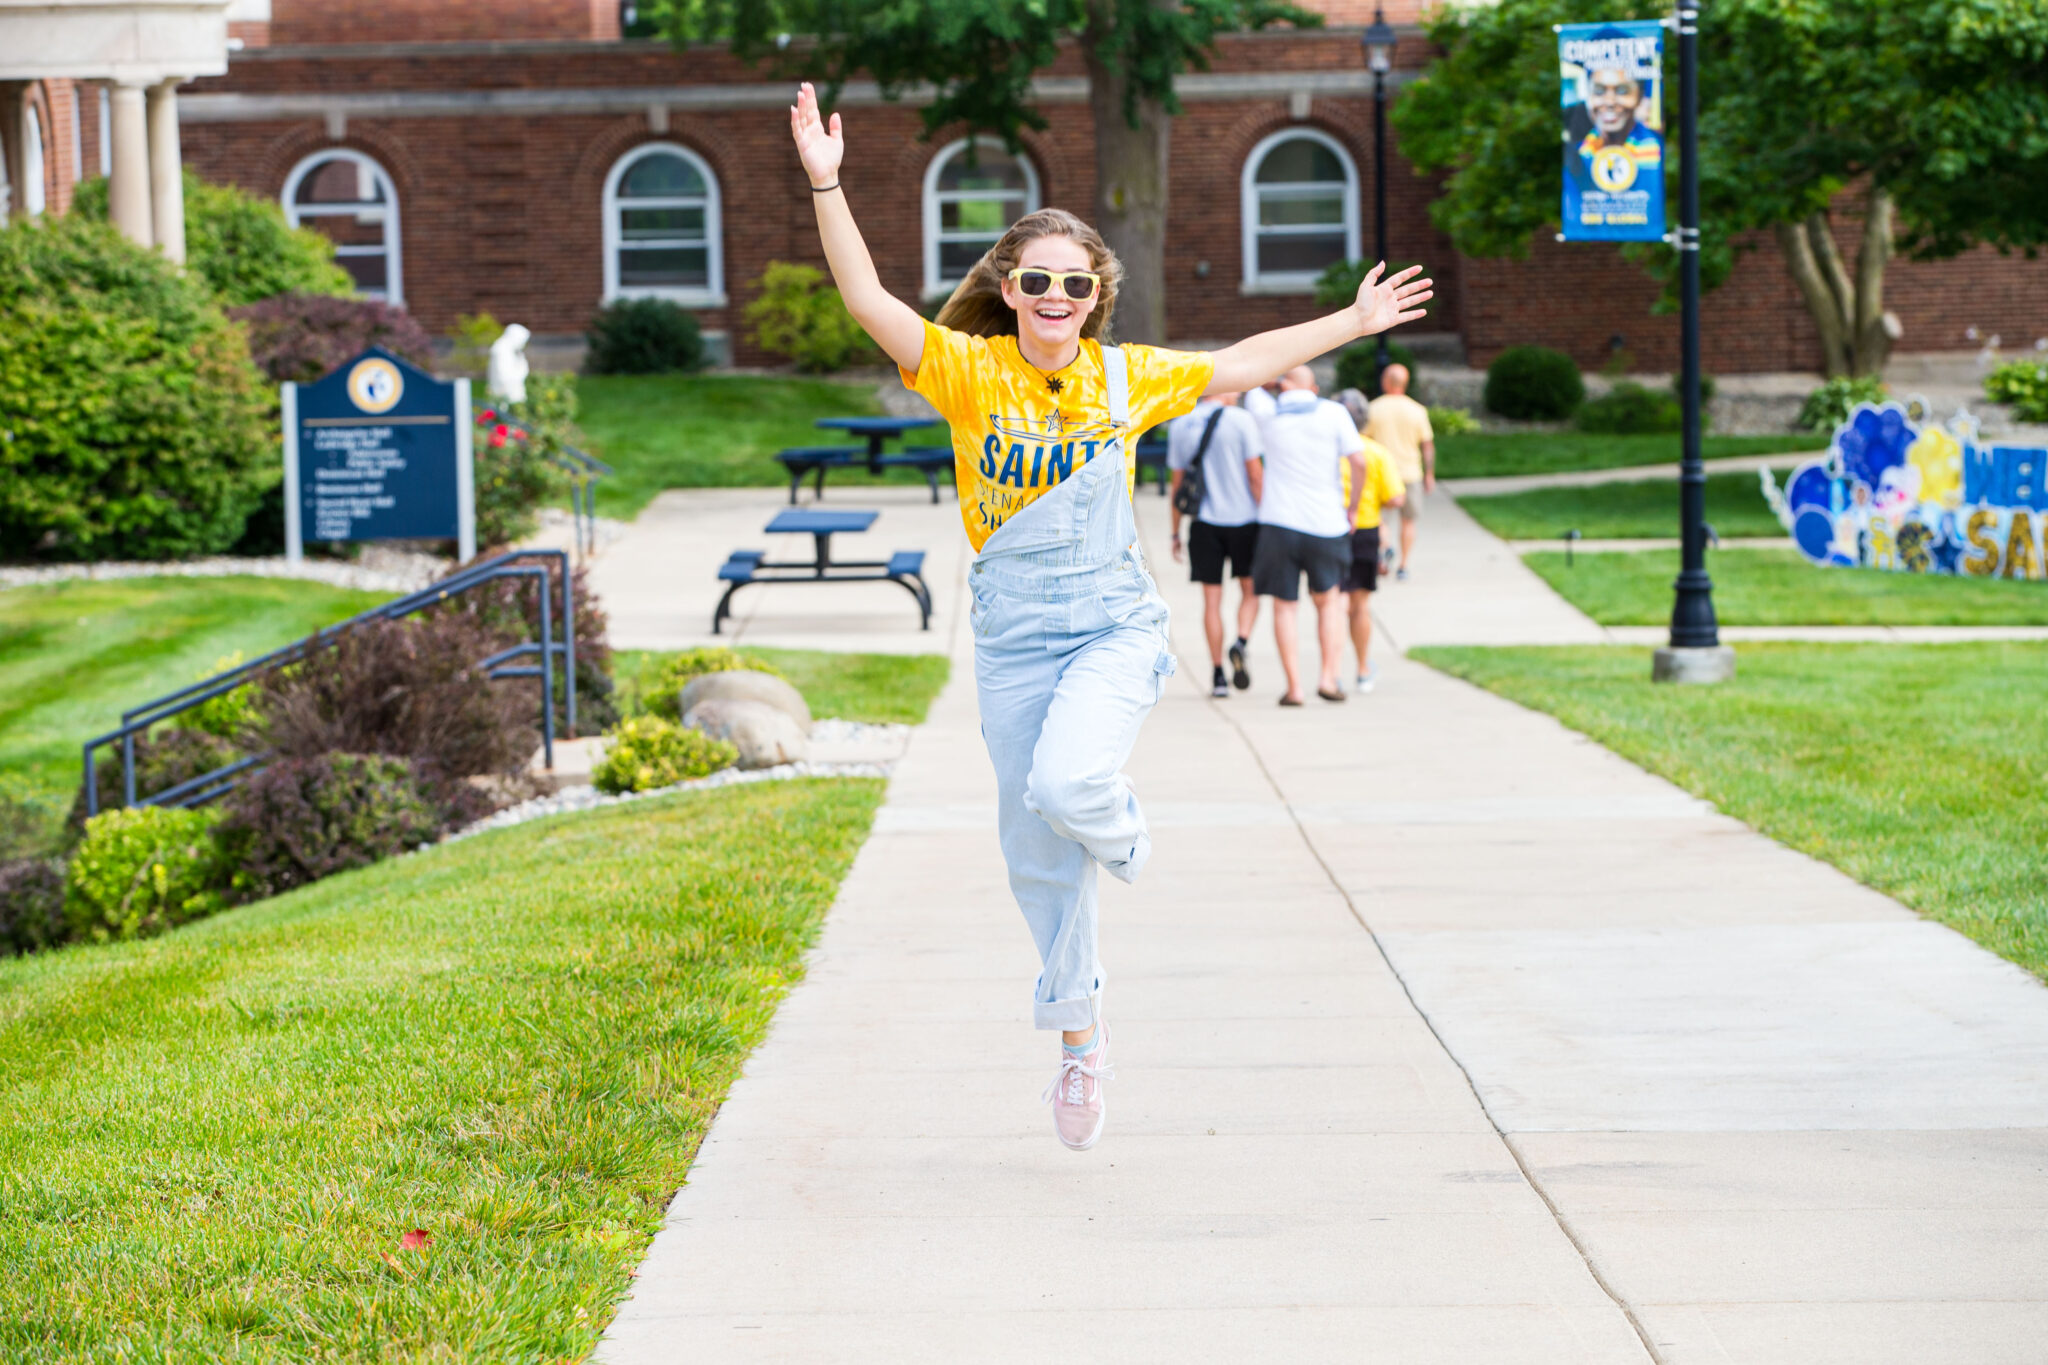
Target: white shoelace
1073,1076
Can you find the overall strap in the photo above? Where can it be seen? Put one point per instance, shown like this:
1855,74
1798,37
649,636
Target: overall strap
1116,372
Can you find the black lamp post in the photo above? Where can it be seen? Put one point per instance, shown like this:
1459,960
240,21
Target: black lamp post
1378,42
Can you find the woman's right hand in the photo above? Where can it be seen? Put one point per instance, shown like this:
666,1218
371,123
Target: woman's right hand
821,148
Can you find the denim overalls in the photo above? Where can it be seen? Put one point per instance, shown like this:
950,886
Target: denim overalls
1070,653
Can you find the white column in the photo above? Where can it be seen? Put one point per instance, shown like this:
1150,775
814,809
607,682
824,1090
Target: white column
128,190
166,171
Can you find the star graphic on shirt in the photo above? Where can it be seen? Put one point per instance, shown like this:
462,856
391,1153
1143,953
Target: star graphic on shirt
1055,384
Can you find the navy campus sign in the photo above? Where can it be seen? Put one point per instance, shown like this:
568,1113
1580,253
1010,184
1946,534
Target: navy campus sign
378,450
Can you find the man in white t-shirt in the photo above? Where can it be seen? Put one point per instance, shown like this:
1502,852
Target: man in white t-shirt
1226,525
1304,525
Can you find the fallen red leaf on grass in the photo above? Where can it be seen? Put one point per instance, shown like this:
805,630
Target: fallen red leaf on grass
417,1239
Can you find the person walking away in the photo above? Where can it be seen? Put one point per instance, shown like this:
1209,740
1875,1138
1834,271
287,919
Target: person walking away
1303,528
1382,489
1217,446
1070,634
1401,425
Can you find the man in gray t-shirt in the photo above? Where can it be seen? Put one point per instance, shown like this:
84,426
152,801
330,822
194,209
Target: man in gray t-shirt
1226,526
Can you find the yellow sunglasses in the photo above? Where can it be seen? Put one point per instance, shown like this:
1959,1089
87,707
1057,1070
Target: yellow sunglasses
1075,284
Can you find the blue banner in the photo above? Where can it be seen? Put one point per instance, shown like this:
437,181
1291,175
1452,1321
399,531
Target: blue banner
1893,494
1612,103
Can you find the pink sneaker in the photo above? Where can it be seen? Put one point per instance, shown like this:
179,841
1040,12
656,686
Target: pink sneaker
1076,1093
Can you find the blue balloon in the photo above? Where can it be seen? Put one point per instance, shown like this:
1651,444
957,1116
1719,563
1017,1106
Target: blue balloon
1876,441
1815,532
1809,487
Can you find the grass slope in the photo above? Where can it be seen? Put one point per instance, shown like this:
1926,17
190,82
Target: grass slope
1635,509
1780,588
877,688
74,655
715,431
1487,453
212,1143
1918,769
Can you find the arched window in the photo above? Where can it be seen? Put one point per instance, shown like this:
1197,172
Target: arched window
351,199
1300,209
968,206
662,237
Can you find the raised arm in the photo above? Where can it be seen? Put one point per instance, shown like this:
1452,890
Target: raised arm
894,324
1380,304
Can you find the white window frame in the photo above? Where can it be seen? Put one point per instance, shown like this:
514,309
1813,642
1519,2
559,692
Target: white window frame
933,197
1291,281
712,293
386,213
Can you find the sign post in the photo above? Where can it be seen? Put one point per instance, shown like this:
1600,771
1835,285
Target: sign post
379,450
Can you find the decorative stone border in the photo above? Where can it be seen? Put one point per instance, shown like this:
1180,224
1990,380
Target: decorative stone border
378,571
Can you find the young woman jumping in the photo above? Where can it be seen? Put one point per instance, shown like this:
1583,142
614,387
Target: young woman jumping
1070,640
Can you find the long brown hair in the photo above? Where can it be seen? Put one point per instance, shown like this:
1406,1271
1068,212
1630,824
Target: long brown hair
977,306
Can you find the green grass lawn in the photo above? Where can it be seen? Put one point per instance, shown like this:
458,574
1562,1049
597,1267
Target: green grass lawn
213,1143
715,431
1779,588
877,688
1488,453
1918,769
1639,508
73,656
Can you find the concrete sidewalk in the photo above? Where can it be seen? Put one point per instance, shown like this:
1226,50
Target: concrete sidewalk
1609,1077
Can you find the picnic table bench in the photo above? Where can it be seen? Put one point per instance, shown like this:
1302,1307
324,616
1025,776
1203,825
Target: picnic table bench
814,461
742,567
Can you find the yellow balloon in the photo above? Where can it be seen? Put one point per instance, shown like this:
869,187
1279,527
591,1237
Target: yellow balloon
1939,458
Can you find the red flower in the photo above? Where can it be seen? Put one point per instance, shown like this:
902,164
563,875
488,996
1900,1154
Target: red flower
497,438
487,415
501,432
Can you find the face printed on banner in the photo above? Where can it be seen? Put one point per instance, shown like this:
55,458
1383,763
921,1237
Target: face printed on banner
1612,98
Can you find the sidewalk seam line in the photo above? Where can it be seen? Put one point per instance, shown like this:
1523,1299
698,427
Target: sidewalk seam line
1514,1152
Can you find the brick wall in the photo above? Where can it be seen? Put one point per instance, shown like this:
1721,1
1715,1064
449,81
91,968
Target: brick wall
425,21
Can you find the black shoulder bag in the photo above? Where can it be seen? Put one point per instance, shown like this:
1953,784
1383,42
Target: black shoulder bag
1187,499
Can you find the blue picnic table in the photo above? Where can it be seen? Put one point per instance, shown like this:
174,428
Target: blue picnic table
876,430
905,567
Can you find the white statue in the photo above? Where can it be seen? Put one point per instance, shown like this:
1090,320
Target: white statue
506,377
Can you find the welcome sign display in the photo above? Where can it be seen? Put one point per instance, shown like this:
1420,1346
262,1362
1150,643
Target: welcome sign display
1912,498
379,450
1612,105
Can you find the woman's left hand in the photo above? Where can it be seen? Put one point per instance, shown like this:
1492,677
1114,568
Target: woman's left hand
1389,303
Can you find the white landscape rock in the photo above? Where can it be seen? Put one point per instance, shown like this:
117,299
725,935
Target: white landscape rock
744,684
765,735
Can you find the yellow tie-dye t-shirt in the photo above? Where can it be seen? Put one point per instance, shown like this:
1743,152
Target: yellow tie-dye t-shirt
1018,430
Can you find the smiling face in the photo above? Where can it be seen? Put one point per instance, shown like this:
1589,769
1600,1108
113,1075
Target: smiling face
1612,98
1052,320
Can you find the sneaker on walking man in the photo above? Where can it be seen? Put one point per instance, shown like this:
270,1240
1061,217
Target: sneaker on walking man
1382,489
1401,425
1221,441
1303,528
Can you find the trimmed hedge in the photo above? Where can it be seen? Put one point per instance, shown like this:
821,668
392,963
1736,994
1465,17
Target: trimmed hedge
1534,383
132,424
1629,409
1358,367
142,870
643,336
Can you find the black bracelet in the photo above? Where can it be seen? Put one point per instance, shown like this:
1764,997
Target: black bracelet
825,189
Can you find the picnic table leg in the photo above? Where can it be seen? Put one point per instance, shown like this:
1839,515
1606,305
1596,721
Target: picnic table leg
931,477
915,587
875,453
824,541
724,607
818,487
796,481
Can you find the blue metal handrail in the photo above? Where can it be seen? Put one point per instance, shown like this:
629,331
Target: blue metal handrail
138,720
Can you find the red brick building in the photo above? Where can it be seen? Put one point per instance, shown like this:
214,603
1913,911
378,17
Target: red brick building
518,156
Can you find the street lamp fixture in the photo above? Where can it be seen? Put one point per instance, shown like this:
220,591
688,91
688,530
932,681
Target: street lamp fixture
1378,41
1379,44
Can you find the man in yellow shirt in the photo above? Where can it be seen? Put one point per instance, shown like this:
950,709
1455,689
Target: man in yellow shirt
1383,489
1401,426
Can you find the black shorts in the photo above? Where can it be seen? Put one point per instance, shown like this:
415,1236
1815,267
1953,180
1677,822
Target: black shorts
1284,555
1365,561
1209,546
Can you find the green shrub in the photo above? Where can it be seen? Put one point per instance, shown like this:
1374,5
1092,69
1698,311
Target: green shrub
648,752
665,694
1452,422
1629,409
228,715
472,335
1358,367
800,317
302,819
643,336
32,905
132,424
240,245
142,870
1828,406
305,337
163,759
2022,383
517,451
30,820
1534,383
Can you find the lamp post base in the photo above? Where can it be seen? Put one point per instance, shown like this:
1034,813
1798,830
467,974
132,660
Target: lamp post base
1712,664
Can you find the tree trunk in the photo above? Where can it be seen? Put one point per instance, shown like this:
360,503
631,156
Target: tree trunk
1130,186
1856,333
